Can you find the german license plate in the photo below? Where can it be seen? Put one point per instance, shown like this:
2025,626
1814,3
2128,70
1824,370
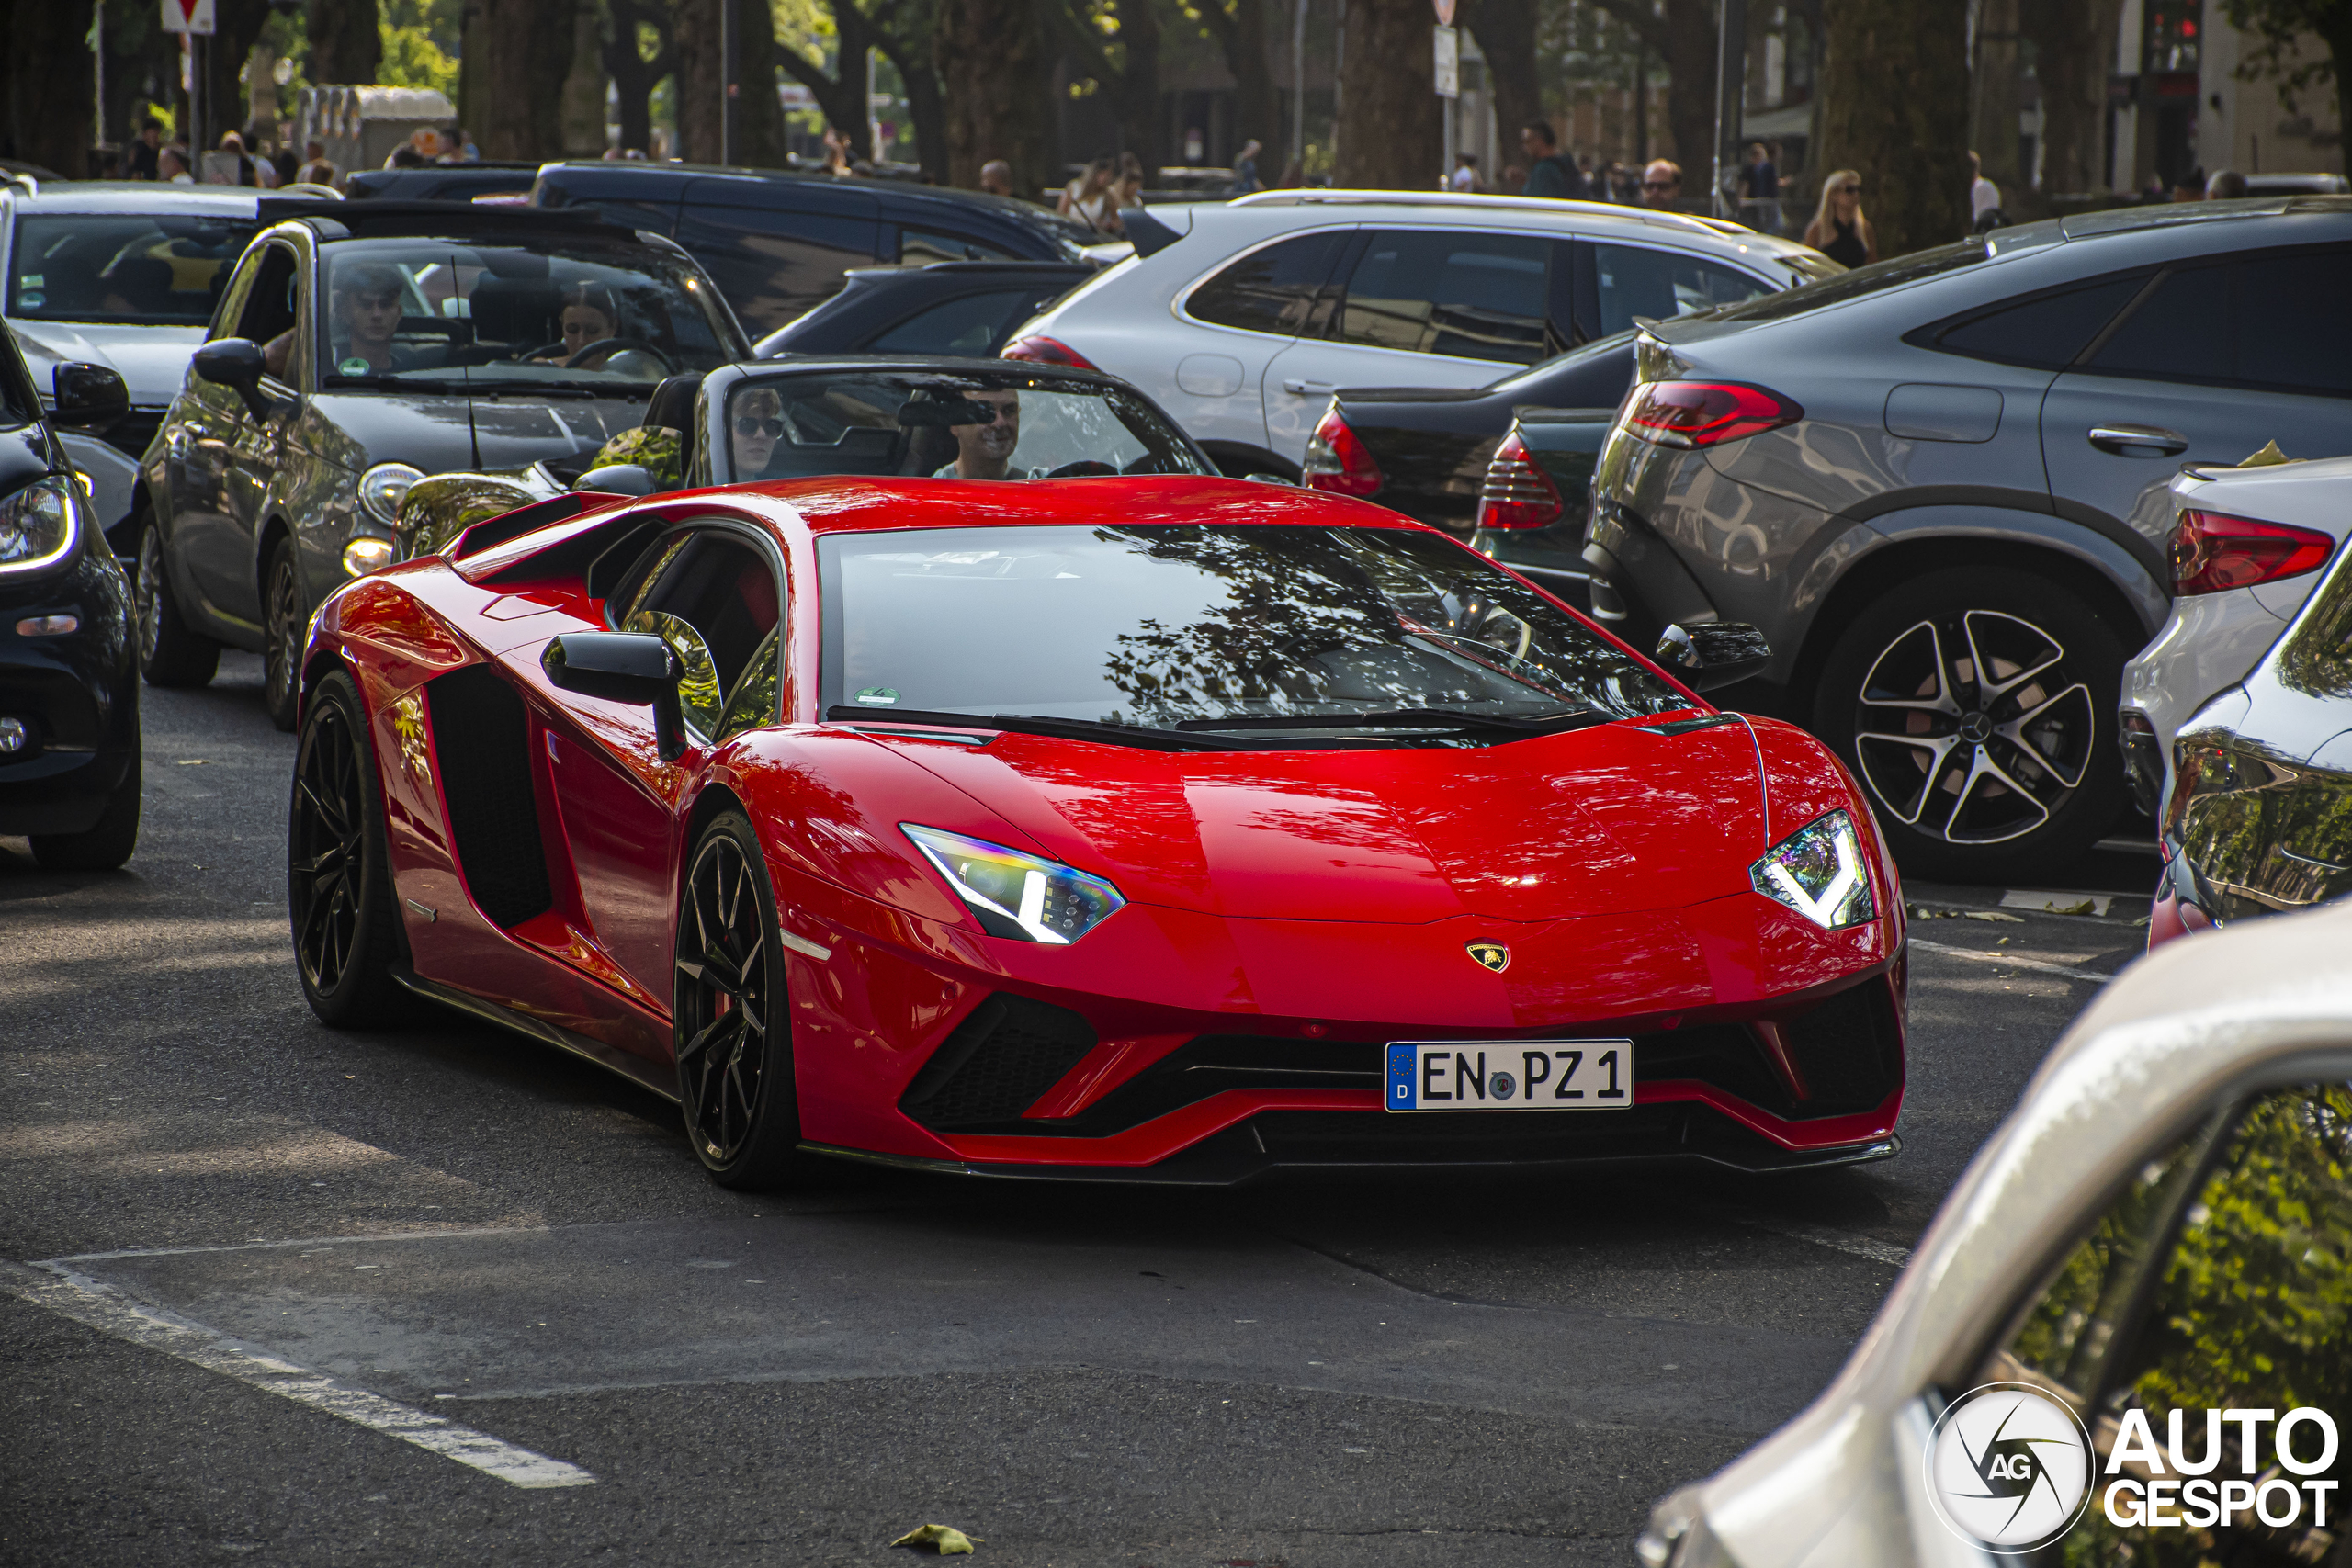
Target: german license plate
1519,1074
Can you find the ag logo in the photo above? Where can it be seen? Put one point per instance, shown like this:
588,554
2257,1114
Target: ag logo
1491,955
2009,1467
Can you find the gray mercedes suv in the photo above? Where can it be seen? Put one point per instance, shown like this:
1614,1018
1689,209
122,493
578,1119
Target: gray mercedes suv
1938,486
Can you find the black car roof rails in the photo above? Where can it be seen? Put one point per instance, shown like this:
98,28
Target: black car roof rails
380,215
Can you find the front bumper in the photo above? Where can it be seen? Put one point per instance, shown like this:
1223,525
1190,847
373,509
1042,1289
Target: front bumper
76,694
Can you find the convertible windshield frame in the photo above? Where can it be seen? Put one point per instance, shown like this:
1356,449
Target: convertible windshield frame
666,306
1244,634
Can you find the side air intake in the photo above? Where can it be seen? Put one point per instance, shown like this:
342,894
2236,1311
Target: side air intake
1003,1056
482,740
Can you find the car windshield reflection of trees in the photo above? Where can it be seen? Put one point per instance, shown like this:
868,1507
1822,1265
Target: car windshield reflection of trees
882,425
1161,625
608,319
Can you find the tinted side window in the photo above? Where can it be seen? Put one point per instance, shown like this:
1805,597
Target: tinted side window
773,265
1271,290
1634,281
974,325
713,601
1467,296
920,247
2048,333
269,307
2275,322
753,703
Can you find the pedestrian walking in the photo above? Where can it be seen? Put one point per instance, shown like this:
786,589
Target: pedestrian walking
1088,198
1127,191
1245,168
1549,174
1662,183
172,166
145,151
1760,190
996,177
1838,229
1984,195
1465,173
318,169
2227,185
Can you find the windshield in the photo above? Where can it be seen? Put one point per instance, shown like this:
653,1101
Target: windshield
605,318
977,425
123,269
1157,626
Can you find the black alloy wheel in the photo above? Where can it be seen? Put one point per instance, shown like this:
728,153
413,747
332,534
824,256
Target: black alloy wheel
169,653
1977,706
283,630
729,1023
347,936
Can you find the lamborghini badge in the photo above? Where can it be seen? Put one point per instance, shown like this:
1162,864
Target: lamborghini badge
1493,955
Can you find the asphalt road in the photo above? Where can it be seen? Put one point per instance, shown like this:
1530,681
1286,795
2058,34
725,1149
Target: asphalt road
246,1222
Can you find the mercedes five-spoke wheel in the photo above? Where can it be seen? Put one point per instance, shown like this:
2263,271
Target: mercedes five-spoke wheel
730,1028
338,878
283,627
1977,706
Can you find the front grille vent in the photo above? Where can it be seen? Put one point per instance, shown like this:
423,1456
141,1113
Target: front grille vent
1847,1050
1007,1051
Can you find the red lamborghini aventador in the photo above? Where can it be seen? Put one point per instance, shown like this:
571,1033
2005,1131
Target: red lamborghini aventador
1152,828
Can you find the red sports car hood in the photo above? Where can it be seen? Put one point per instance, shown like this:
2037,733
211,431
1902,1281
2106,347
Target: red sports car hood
1611,818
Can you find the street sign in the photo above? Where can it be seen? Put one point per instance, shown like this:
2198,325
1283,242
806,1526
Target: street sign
1449,63
1444,12
187,16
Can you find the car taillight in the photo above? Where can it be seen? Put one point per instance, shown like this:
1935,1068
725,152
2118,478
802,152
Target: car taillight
2213,552
1518,493
1704,413
1046,351
1337,461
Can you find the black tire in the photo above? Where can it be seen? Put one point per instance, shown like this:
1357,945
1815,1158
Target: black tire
732,1029
170,654
107,845
1971,782
347,934
283,627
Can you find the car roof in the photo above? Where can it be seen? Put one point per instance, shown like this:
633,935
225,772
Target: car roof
148,196
385,217
887,190
2173,1037
1436,203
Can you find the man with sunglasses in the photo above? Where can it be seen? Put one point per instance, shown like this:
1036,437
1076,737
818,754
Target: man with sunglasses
1662,183
985,451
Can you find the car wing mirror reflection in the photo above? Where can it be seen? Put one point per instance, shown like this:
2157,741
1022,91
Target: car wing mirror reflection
1707,656
636,668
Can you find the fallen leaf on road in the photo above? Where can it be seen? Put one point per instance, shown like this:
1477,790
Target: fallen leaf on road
944,1541
191,762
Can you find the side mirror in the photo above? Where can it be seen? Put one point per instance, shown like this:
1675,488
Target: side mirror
618,478
1707,656
623,667
89,398
235,363
1270,479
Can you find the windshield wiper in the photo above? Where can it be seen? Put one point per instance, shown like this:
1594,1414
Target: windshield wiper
1413,718
1033,724
400,382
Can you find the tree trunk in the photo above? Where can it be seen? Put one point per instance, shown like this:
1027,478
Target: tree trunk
1894,106
908,48
759,118
1257,102
346,49
526,46
1133,84
237,28
584,85
995,69
1506,33
841,97
51,105
693,36
2074,44
634,76
1391,131
1994,122
1690,93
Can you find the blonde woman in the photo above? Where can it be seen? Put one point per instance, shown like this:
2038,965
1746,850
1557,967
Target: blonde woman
1838,229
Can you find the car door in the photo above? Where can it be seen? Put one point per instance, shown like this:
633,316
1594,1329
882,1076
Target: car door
776,249
258,444
709,591
1245,314
1419,308
207,424
2215,358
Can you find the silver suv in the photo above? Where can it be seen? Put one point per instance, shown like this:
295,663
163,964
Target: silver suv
1939,485
1242,318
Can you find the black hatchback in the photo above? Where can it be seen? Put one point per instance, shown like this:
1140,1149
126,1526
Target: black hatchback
69,690
361,347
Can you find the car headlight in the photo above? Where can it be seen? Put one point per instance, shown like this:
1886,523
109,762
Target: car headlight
1016,895
384,487
368,553
1820,872
39,524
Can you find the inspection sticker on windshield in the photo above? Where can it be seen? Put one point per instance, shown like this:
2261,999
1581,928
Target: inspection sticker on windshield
1516,1075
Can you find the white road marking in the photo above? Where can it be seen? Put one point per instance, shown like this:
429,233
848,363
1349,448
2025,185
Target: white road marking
2035,964
1822,1235
99,1306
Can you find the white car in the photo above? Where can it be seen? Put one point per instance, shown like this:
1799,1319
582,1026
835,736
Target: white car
1242,318
2163,1228
2248,545
124,275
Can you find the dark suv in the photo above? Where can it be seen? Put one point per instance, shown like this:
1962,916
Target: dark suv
1939,485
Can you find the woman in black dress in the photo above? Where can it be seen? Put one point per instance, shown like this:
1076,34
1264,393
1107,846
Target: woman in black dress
1838,229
